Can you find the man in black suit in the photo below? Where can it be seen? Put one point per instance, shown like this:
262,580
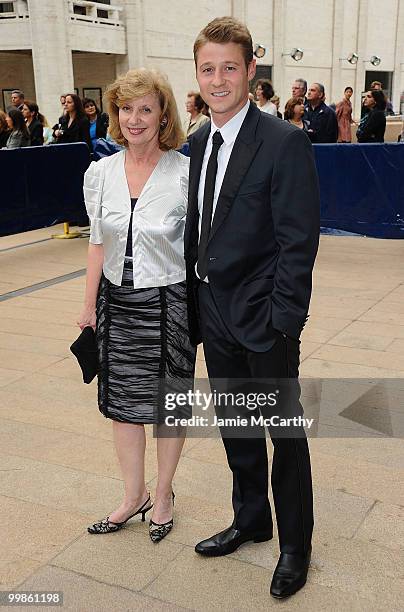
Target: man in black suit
251,238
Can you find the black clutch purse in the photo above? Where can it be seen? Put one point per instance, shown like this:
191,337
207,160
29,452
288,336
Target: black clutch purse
85,350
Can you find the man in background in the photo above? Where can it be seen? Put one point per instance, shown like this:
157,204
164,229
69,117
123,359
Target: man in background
17,98
299,89
322,119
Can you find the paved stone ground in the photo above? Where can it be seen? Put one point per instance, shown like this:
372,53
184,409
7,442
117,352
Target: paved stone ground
58,470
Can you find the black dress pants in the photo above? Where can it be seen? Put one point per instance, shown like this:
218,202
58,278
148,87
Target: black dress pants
246,455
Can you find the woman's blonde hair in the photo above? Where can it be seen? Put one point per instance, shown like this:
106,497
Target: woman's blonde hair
136,84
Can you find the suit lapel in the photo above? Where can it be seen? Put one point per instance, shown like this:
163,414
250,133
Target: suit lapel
244,150
197,153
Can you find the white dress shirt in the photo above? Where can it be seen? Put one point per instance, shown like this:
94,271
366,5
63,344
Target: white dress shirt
158,220
229,132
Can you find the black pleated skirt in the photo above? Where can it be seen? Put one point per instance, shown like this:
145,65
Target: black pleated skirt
143,347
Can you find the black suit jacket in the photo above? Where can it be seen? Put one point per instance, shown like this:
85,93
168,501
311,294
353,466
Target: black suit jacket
79,131
35,129
264,234
372,128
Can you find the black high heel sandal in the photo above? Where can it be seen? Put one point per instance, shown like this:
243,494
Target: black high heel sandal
107,526
158,531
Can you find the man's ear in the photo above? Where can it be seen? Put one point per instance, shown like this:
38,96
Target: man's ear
251,70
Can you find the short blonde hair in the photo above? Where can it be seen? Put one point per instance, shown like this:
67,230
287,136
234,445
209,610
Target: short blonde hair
136,84
224,30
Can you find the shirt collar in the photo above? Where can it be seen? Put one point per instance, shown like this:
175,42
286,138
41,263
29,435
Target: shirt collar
318,108
230,130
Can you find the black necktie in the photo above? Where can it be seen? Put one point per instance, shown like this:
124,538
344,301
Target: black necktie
208,195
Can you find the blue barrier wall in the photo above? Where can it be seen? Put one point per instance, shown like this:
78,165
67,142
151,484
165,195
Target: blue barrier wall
41,186
362,188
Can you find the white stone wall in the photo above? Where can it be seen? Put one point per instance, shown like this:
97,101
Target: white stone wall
96,38
161,34
15,34
169,33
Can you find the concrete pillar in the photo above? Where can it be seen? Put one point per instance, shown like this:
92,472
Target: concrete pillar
362,50
135,36
335,93
239,10
398,77
51,54
278,70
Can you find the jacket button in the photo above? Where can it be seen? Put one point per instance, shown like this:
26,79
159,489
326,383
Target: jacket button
212,258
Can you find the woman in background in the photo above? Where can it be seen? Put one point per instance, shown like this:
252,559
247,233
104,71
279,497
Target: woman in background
34,122
276,100
373,123
264,92
195,106
74,126
98,121
47,132
19,135
344,116
294,111
4,129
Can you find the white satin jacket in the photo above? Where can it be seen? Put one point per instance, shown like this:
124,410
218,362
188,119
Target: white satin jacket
158,219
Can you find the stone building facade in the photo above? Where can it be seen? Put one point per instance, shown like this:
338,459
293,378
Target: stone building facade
49,47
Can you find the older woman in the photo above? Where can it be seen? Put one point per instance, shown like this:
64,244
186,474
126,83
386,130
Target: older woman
294,111
136,201
264,92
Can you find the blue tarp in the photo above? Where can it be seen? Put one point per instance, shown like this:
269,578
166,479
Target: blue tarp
42,186
362,188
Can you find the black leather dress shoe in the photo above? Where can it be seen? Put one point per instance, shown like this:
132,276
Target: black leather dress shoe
229,540
290,574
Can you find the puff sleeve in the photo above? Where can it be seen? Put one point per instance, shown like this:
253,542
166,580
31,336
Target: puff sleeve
93,186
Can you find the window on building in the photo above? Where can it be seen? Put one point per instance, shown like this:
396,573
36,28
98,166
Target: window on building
7,7
262,72
101,13
79,10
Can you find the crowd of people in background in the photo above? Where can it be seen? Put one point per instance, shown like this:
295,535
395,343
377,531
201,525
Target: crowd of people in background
22,125
307,110
82,121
